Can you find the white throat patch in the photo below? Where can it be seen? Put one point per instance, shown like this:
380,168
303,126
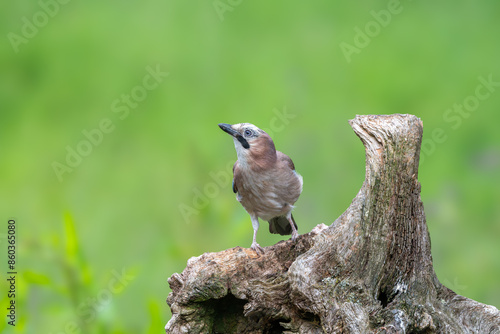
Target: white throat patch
241,152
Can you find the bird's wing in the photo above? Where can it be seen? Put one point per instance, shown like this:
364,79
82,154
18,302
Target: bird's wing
283,158
236,176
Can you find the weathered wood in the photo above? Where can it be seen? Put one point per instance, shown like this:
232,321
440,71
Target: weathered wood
369,272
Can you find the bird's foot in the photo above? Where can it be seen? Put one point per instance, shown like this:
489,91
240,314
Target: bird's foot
295,235
256,247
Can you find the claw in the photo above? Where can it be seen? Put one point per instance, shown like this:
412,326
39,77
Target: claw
295,235
256,247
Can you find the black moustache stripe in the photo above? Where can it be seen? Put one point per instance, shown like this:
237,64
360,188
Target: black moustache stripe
243,142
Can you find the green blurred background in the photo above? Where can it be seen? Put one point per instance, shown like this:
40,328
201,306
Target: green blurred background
155,190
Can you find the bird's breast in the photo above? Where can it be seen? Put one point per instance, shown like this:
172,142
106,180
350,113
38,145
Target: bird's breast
268,194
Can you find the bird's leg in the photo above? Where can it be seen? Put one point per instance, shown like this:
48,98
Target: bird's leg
255,246
295,234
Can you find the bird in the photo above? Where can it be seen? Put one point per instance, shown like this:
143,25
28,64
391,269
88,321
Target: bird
265,181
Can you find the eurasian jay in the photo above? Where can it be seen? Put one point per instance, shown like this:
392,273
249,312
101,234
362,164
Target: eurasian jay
265,180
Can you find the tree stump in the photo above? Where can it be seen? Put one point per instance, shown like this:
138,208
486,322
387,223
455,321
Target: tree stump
370,271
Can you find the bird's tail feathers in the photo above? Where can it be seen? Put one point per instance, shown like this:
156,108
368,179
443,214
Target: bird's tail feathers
280,225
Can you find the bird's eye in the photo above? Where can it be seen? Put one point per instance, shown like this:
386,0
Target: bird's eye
248,133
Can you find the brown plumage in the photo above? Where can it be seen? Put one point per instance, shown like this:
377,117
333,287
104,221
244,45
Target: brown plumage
265,180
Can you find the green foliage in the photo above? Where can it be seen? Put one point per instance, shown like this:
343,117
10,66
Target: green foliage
139,88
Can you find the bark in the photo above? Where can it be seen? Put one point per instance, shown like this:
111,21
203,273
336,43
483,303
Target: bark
370,271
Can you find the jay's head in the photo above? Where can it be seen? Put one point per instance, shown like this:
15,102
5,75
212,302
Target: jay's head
251,143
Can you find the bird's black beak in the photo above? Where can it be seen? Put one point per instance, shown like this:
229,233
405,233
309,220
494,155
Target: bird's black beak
227,128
